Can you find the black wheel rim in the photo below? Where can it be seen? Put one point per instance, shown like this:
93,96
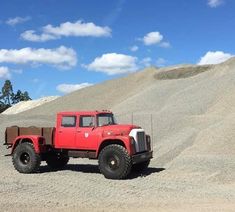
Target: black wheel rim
25,158
113,162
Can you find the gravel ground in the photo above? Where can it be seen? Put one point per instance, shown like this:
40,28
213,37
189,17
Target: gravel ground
193,132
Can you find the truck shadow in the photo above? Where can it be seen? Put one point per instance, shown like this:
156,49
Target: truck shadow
145,173
85,168
89,168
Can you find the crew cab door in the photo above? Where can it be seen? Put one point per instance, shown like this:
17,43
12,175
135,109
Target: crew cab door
66,132
87,137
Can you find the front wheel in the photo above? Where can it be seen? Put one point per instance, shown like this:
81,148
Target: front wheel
25,159
114,162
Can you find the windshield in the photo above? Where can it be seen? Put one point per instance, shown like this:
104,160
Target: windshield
106,119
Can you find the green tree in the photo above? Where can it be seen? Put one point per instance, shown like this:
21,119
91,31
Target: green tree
1,98
19,96
26,96
15,98
2,105
7,92
8,97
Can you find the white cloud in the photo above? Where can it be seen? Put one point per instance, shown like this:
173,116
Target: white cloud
165,44
31,36
152,38
17,20
215,3
67,88
4,72
146,61
78,29
214,58
134,48
155,38
113,63
17,71
35,80
61,57
160,61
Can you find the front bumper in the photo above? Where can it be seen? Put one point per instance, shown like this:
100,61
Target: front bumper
141,157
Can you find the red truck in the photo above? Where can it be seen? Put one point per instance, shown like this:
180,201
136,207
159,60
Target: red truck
83,134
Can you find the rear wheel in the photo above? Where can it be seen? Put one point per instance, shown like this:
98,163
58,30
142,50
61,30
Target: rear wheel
114,162
139,167
25,159
57,161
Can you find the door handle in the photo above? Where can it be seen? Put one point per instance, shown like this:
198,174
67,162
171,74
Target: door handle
60,131
78,130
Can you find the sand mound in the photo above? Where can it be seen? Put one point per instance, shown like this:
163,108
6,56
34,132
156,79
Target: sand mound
193,111
26,105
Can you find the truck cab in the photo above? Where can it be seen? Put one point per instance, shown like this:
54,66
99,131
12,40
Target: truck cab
81,130
119,148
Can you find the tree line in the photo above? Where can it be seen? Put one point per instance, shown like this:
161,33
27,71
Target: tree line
9,98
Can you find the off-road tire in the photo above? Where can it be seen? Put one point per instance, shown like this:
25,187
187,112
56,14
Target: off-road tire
57,161
139,167
25,159
114,162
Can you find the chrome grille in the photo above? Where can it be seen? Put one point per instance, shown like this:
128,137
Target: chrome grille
141,141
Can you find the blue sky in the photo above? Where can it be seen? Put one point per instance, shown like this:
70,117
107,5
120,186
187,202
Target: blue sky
50,47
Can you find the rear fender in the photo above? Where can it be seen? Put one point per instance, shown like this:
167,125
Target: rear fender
37,141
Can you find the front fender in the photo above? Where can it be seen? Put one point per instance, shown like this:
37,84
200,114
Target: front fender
125,140
37,141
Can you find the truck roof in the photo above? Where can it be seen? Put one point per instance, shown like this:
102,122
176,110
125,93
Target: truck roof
93,112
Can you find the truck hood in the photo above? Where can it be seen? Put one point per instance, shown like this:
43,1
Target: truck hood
118,129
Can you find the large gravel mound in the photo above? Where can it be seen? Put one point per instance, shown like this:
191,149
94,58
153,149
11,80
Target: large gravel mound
192,111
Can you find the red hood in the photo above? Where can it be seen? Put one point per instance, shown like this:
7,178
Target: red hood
120,126
119,129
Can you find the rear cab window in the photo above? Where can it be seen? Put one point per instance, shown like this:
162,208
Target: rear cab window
68,121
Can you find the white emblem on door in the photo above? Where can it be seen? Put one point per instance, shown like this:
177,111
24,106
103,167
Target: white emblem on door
86,135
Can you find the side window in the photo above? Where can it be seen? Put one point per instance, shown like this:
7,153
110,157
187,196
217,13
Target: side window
87,121
68,121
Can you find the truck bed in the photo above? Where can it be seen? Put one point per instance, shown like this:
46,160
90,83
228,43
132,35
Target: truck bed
12,132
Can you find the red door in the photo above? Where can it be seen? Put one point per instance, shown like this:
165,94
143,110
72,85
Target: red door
67,132
86,137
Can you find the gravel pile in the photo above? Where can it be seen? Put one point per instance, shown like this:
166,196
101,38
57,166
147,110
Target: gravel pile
26,105
192,109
